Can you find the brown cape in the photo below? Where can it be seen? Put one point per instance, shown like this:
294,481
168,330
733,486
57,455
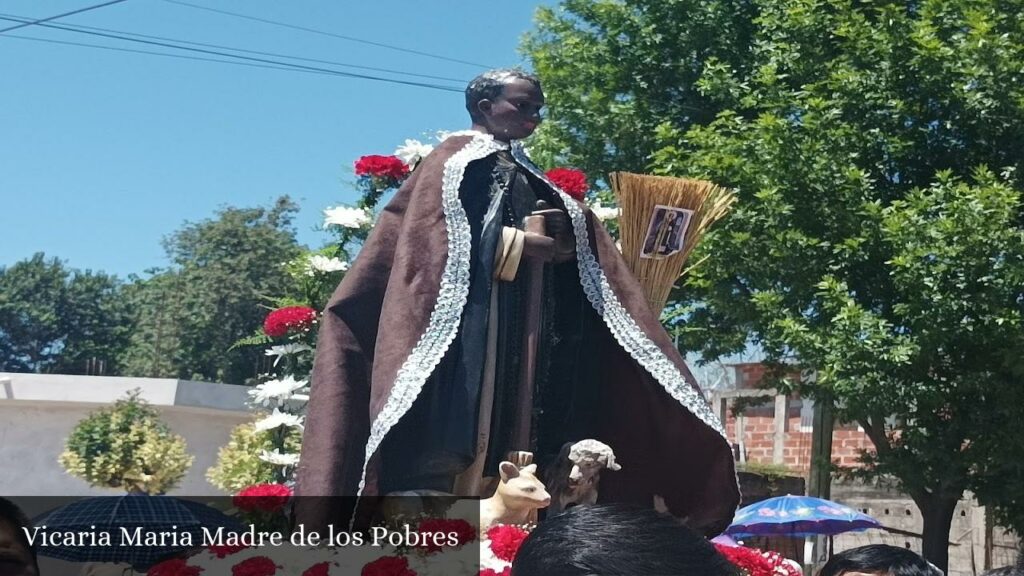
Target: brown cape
394,315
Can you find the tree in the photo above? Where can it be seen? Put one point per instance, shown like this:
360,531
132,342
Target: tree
877,239
55,319
214,293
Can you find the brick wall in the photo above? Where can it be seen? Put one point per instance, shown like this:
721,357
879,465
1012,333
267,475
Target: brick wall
759,430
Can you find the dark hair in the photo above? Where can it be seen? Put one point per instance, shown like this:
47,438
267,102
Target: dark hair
617,540
489,85
12,514
889,560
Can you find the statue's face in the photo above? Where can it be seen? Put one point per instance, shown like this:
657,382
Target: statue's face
515,114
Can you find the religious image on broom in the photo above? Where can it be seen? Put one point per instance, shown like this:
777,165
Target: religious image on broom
666,231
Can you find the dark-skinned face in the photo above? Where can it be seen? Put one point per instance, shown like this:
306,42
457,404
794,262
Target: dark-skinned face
515,114
15,558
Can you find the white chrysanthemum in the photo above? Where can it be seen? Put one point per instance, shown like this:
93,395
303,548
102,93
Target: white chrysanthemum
278,419
279,459
442,135
318,263
413,151
279,390
604,212
346,217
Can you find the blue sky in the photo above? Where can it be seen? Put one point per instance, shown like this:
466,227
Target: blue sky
104,153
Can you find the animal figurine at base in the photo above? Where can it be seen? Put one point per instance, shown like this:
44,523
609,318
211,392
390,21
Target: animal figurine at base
518,495
576,475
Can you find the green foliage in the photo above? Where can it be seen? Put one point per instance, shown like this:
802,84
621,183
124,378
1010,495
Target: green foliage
126,446
874,148
239,464
771,472
55,319
223,269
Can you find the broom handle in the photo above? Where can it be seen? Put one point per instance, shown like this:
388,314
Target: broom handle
534,284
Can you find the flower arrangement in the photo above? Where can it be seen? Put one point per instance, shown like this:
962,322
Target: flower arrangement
263,497
573,182
389,168
289,320
493,558
754,562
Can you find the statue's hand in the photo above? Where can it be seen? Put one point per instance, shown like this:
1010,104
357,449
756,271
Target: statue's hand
538,247
558,227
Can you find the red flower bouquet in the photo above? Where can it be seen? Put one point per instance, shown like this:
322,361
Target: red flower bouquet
385,167
263,497
464,532
320,569
225,550
175,567
282,321
572,182
506,540
257,566
754,562
388,566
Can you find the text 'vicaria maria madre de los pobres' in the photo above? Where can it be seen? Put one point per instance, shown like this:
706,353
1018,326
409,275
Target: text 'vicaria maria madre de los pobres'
141,537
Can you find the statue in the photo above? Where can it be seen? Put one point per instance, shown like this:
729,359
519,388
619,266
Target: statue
517,497
575,476
489,312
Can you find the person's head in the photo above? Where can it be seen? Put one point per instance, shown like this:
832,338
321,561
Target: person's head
616,540
505,103
17,557
878,560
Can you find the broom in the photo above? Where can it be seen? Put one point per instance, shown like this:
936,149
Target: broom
662,220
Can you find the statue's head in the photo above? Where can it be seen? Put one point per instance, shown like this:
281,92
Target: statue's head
505,103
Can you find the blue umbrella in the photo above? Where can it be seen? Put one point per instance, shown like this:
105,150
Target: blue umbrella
134,516
798,516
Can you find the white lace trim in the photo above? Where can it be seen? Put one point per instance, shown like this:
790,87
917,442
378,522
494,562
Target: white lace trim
622,326
451,299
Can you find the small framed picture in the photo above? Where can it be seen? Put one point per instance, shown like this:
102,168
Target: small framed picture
665,232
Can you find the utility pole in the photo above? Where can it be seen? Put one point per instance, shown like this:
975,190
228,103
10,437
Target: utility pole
819,484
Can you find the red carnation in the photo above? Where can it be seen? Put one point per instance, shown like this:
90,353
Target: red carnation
320,569
388,566
754,562
572,182
226,549
507,571
382,167
263,497
174,567
284,320
506,540
464,532
256,566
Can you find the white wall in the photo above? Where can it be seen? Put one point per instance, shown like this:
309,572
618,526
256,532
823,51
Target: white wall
38,411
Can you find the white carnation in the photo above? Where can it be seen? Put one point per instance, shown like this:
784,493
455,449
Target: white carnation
318,263
346,217
413,151
282,389
604,212
279,459
278,419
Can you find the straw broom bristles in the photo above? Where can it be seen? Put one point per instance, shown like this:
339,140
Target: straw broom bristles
638,197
